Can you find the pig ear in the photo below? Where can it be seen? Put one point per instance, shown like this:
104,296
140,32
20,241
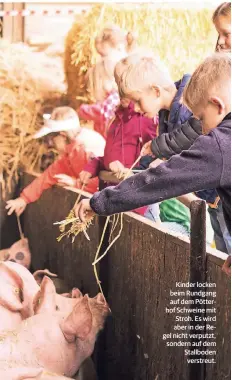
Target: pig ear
76,293
100,299
79,323
39,274
45,299
11,294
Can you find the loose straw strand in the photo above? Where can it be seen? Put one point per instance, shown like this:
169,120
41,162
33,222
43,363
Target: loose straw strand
20,228
97,259
79,196
97,253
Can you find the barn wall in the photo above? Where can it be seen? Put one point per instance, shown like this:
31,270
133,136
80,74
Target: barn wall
137,276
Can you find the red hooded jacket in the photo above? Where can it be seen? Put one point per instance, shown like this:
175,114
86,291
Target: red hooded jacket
127,134
71,163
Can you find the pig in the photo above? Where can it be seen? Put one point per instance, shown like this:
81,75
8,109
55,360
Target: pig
53,340
16,297
19,253
18,294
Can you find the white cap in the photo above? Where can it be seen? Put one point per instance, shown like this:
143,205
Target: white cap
51,126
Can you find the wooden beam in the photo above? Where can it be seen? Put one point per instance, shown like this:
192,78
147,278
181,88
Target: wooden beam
13,26
197,275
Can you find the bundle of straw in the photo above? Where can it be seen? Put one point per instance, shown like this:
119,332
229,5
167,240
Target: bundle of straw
25,87
181,37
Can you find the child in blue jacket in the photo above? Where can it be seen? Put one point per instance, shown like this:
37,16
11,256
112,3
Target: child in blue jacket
206,165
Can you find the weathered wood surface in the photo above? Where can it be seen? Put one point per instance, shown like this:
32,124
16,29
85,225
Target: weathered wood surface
143,266
221,370
197,274
137,276
8,224
72,262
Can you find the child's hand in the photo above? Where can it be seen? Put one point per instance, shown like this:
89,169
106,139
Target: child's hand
118,168
83,209
65,180
146,149
18,205
155,163
84,177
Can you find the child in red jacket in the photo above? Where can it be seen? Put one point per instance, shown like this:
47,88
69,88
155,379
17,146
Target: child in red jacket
126,136
76,146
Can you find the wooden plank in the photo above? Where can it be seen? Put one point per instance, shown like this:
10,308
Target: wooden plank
197,274
18,24
13,27
9,233
221,370
142,267
7,22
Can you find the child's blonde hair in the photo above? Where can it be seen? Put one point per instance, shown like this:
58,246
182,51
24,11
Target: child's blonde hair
113,44
211,75
140,72
112,36
223,9
101,79
63,113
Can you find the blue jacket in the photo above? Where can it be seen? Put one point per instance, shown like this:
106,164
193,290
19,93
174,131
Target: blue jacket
177,131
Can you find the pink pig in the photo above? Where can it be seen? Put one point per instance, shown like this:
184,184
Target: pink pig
19,293
19,253
53,340
16,295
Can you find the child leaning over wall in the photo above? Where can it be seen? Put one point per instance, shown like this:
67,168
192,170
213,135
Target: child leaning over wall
112,44
127,133
76,146
208,96
178,130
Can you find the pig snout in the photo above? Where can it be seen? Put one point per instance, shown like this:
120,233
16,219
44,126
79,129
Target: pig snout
19,253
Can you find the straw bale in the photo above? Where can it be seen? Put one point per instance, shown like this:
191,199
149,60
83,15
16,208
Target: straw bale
181,37
28,83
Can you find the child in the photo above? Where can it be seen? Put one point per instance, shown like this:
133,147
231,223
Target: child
112,44
222,22
178,130
205,165
108,99
127,133
75,145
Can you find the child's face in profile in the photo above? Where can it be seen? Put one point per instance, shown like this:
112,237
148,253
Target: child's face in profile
210,114
148,102
223,27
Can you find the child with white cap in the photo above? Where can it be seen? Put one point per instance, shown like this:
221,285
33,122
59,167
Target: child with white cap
76,145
